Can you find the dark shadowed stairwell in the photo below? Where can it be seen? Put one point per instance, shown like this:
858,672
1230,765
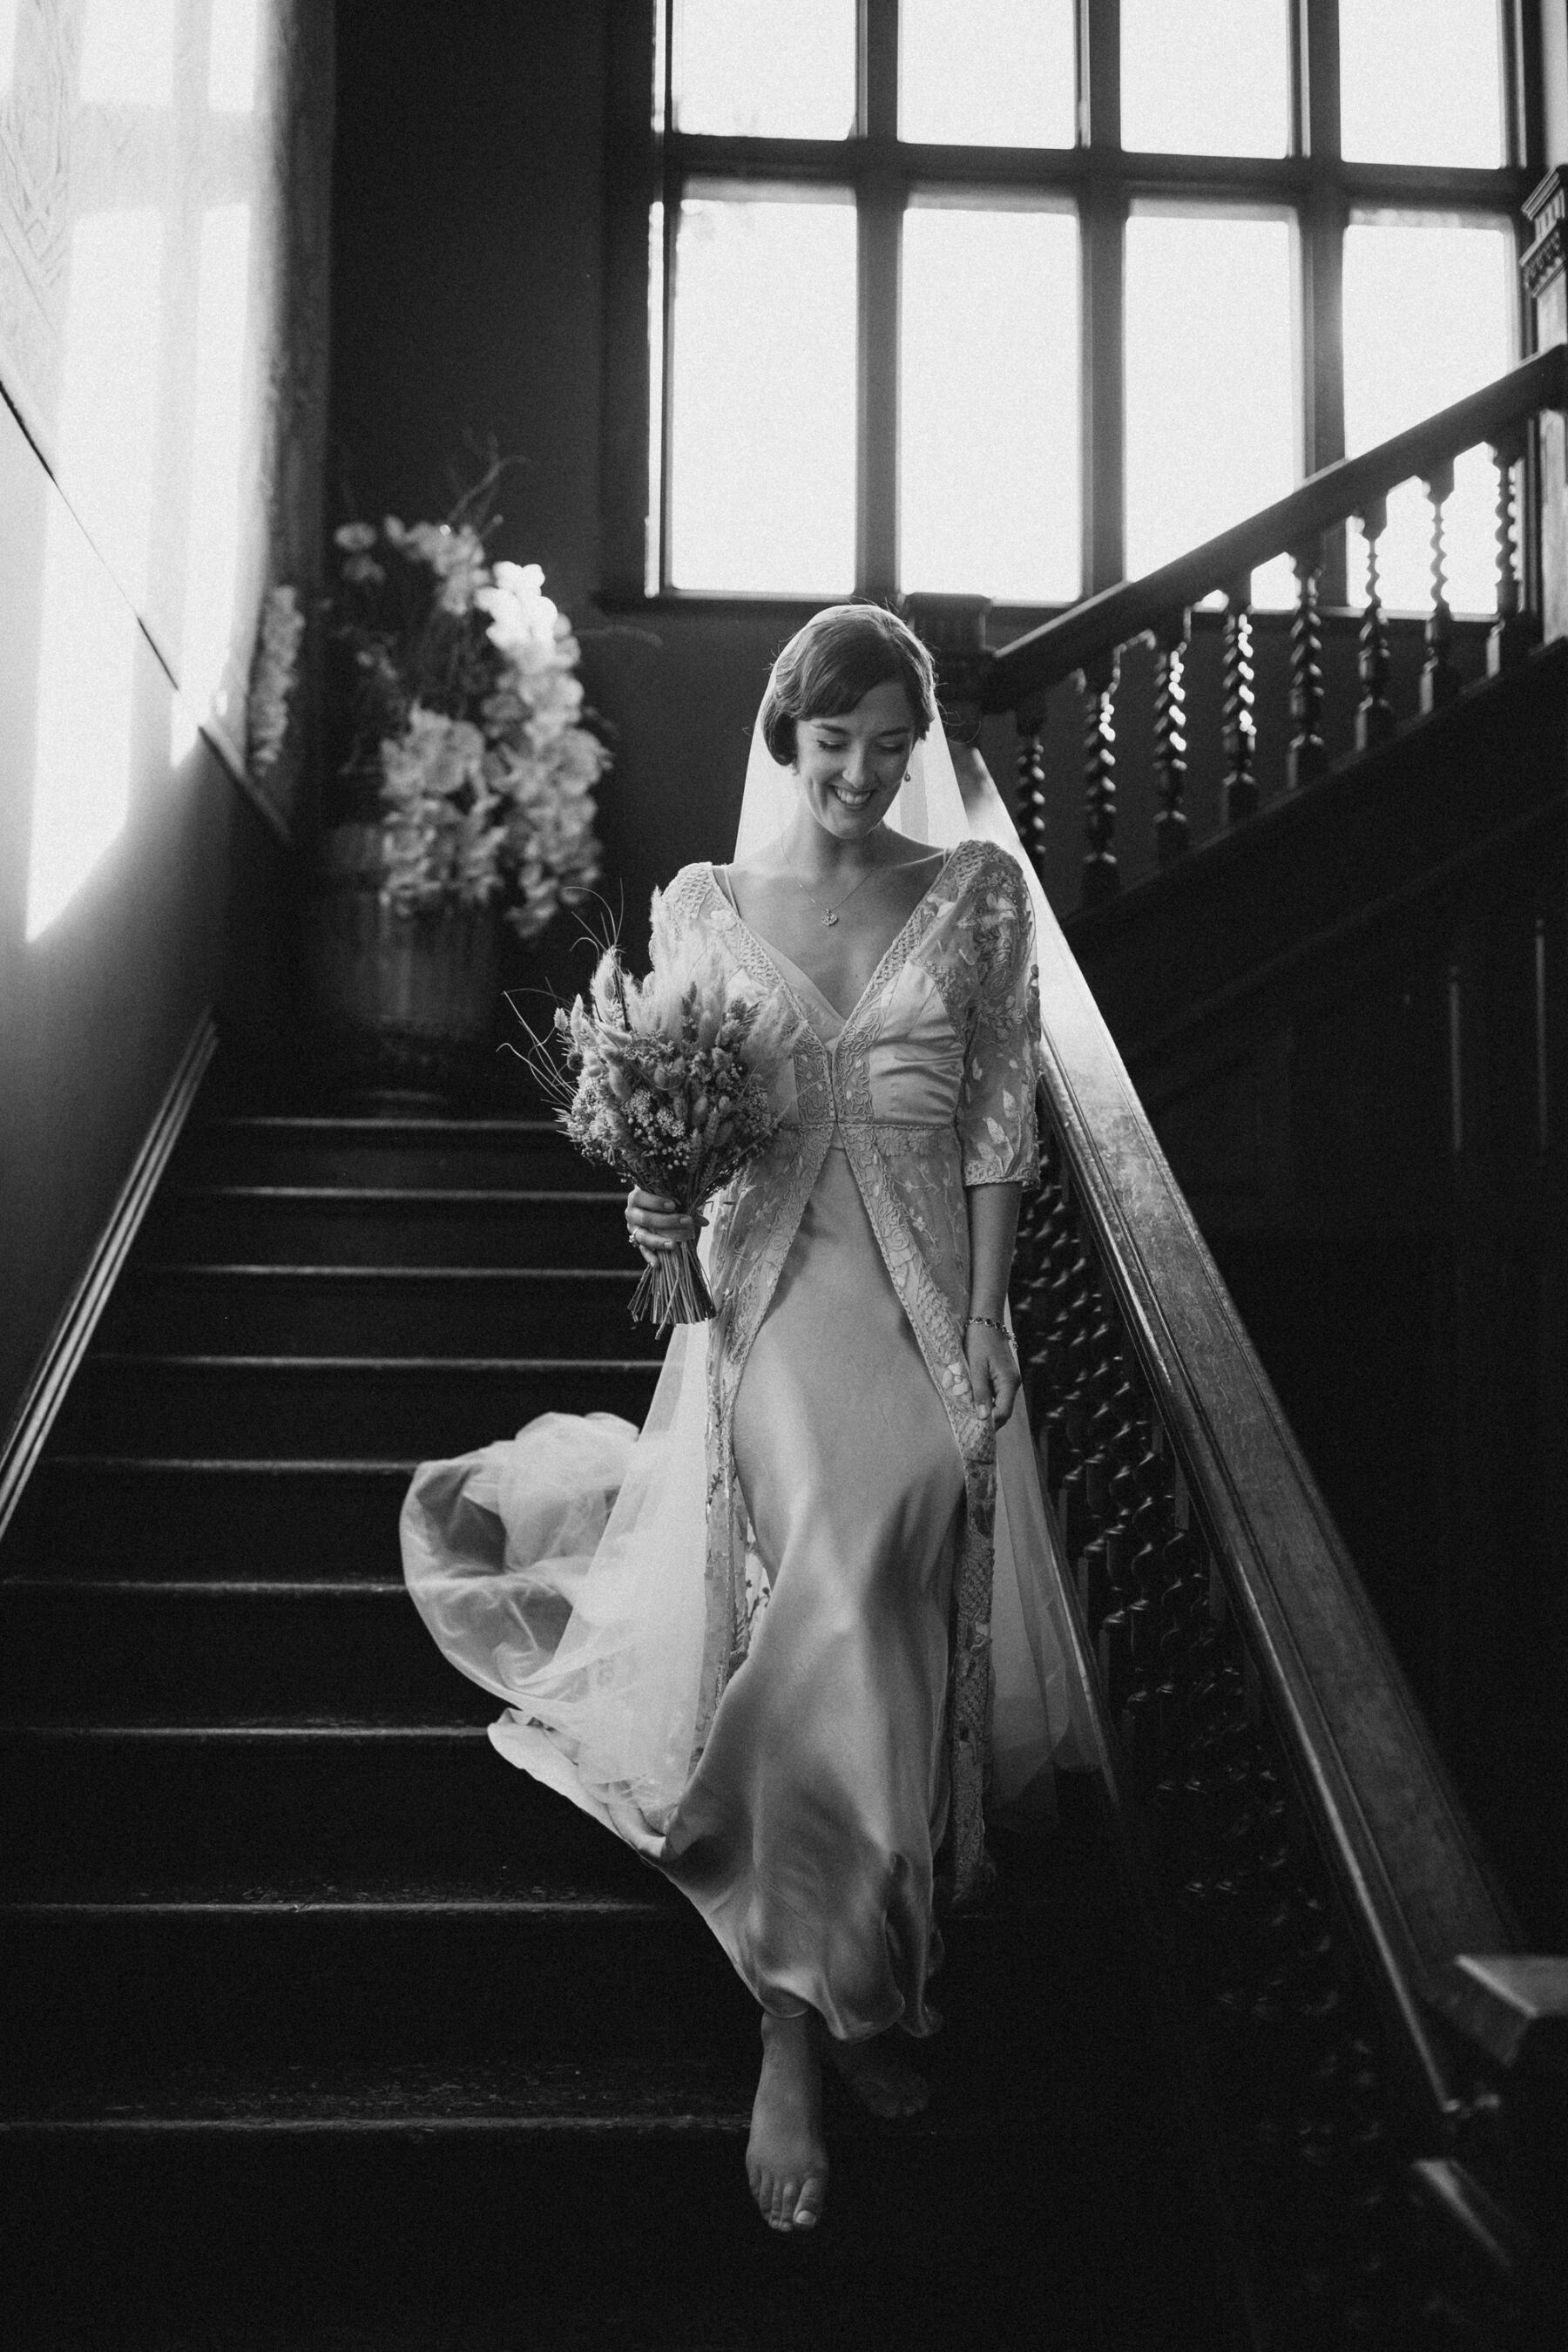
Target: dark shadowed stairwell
327,2026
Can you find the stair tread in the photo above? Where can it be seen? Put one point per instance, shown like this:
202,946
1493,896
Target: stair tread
261,1270
695,2089
181,1466
488,1196
199,1588
508,2094
119,1359
505,1892
391,1129
303,1727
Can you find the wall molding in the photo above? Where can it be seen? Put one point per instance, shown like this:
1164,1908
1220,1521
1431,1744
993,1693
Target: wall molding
67,1344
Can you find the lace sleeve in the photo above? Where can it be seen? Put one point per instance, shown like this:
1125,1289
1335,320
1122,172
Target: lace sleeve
997,1120
678,907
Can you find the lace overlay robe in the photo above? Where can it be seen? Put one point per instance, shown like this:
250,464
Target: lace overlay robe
928,1087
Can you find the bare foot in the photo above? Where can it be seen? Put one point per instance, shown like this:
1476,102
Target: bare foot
786,2156
879,2075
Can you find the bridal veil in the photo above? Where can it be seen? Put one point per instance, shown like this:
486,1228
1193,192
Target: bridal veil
568,1575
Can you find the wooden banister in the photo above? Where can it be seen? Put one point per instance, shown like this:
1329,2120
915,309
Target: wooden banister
1352,1970
1102,624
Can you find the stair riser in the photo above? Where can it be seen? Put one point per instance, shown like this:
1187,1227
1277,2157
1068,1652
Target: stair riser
199,1657
192,1229
559,1314
106,1809
382,1990
244,1523
357,1412
250,1156
641,2238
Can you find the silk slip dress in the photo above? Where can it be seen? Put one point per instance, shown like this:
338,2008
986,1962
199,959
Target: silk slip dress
756,1640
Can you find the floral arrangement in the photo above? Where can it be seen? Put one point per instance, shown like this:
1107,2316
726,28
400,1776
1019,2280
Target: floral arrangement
459,679
272,678
665,1080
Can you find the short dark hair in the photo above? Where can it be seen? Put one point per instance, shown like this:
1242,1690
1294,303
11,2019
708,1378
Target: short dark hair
834,662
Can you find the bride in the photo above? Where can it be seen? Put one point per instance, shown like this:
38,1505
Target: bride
786,1639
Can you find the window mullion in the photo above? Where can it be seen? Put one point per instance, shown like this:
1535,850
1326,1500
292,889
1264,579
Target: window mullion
1103,341
880,225
631,184
1322,227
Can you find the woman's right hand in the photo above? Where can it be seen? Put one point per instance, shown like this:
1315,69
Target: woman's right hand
655,1223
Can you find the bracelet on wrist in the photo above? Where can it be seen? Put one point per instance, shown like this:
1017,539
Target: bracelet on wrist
991,1325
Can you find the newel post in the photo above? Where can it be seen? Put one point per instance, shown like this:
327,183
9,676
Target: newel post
1545,271
953,630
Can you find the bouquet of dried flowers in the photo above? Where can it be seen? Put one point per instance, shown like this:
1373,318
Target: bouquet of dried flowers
665,1080
459,678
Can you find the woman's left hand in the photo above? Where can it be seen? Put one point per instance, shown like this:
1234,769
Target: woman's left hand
994,1380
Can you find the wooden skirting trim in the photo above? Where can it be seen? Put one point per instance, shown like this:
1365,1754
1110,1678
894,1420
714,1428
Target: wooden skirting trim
62,1356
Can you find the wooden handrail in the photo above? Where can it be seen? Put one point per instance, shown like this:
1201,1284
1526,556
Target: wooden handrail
1118,616
1408,1867
1180,1492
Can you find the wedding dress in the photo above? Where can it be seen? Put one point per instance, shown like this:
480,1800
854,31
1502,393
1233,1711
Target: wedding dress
805,1625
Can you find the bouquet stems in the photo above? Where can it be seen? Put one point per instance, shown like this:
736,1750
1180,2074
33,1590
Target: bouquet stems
672,1289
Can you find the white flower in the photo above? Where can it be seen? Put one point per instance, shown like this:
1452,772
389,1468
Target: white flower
497,806
523,621
272,683
438,756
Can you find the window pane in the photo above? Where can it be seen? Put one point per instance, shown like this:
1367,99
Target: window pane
1205,77
1420,82
1428,309
1211,378
989,435
763,439
753,69
992,73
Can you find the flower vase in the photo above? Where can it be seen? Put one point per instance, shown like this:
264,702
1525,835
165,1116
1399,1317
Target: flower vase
406,1003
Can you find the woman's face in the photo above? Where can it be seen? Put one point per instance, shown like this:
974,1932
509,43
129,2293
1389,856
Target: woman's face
851,767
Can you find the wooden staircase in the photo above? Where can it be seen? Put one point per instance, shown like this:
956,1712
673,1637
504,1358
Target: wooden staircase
329,2027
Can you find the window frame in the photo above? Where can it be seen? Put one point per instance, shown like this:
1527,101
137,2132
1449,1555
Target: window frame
649,161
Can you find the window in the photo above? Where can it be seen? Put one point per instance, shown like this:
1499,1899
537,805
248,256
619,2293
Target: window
1017,296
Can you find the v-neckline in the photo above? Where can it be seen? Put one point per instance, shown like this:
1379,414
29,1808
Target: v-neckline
772,954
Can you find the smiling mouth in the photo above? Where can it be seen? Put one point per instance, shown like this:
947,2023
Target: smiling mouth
852,800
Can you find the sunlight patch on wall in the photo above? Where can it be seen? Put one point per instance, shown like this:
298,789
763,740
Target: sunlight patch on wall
128,54
183,733
212,571
233,55
108,428
81,765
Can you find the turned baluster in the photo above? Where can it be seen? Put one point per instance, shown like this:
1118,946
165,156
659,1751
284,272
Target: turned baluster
1509,637
1440,678
1238,732
1374,720
1171,736
1100,878
1032,807
1308,755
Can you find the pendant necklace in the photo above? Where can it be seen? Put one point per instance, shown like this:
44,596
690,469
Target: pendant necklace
830,914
